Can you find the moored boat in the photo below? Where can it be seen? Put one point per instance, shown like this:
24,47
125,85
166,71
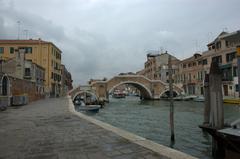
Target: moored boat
184,97
118,94
91,108
81,106
199,99
232,101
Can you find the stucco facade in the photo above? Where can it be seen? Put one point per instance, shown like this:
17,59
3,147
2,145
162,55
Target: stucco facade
42,53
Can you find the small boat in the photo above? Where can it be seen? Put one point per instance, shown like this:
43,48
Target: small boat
81,106
178,98
118,94
199,99
184,97
232,100
90,108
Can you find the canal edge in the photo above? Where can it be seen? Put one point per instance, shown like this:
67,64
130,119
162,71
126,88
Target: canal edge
158,148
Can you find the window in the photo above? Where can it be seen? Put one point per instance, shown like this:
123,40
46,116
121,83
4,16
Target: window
199,62
218,46
27,49
1,50
234,71
236,88
230,56
227,43
27,72
189,77
11,50
204,62
217,59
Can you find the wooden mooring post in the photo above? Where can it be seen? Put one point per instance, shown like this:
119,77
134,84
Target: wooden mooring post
213,112
171,114
207,101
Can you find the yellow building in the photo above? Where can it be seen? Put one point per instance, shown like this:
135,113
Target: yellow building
40,52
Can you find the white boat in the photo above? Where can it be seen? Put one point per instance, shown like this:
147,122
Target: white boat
81,106
91,108
118,94
184,97
199,99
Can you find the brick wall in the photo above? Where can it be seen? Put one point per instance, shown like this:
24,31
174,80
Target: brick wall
21,86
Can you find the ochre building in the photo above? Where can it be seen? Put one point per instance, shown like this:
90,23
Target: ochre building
43,53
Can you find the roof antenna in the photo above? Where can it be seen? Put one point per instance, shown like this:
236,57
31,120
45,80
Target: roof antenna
19,23
225,29
26,33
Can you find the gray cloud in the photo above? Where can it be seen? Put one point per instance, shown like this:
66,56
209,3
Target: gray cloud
101,38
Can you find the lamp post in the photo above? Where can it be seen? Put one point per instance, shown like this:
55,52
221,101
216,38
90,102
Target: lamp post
238,68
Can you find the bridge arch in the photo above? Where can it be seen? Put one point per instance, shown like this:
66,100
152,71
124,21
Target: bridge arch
145,92
82,92
175,93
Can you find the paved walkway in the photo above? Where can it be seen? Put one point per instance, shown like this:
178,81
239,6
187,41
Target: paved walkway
47,130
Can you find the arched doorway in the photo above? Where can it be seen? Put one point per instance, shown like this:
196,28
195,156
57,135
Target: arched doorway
4,92
5,85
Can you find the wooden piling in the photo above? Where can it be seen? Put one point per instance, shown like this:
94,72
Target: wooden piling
171,98
216,107
216,97
207,100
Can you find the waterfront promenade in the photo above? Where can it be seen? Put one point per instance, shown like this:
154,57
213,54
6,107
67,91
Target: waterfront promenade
46,129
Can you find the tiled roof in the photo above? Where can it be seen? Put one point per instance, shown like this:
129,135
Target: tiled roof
6,41
30,41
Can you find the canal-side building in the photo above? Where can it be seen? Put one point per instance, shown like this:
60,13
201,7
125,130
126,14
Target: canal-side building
66,83
223,50
191,71
23,69
190,75
156,66
43,53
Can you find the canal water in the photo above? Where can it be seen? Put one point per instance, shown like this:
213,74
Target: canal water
150,119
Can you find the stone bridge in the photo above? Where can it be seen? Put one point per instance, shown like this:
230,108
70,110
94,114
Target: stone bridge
149,89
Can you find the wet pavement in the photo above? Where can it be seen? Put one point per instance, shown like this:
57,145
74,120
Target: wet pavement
47,130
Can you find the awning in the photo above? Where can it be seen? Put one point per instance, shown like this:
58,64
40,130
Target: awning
225,66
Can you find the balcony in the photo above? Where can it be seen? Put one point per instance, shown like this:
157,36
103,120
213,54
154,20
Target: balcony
27,76
228,78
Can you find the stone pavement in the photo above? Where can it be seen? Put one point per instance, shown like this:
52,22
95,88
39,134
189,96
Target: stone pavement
47,130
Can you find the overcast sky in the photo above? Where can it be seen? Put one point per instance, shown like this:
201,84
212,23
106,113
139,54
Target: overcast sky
102,38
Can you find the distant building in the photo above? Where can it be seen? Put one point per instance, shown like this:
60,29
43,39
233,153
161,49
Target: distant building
43,53
91,81
190,74
222,50
156,66
66,84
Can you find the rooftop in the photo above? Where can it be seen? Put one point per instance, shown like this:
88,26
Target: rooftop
25,41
